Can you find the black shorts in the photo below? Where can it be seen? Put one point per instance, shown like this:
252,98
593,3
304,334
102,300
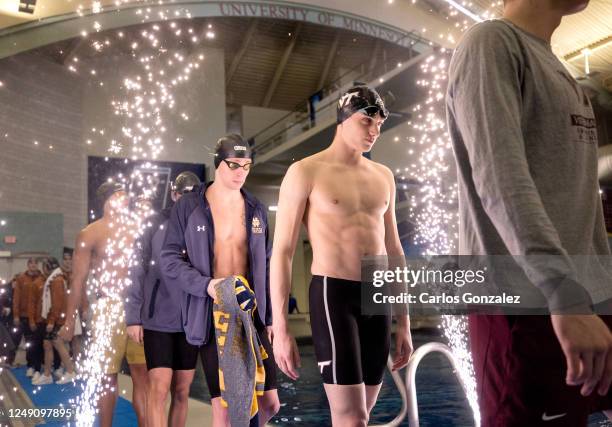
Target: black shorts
520,374
351,348
169,350
210,361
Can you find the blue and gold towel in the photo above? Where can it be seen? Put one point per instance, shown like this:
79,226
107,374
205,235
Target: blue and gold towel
241,355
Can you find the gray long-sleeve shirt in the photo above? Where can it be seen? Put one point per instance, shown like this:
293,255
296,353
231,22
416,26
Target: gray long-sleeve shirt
524,136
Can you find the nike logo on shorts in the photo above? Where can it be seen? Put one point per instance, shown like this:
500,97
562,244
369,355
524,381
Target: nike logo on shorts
552,417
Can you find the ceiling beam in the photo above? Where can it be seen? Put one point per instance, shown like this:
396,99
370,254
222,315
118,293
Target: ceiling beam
329,61
281,65
243,48
592,47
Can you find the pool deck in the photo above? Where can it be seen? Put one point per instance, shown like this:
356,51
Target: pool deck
17,392
199,415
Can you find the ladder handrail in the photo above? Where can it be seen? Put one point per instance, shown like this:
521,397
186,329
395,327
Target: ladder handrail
407,390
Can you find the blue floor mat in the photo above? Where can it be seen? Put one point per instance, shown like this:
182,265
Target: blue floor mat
52,395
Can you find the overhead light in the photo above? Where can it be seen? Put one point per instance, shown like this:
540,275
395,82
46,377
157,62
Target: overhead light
464,10
9,6
587,68
16,7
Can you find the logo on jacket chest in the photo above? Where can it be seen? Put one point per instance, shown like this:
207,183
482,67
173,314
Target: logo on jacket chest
200,228
256,226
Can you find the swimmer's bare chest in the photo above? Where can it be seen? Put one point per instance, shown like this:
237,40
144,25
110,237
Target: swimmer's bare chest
345,220
230,249
346,197
104,236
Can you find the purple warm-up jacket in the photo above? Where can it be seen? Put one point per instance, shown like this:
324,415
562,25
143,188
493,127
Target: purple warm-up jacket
187,260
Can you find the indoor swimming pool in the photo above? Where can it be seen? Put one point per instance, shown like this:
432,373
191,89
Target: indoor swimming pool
442,402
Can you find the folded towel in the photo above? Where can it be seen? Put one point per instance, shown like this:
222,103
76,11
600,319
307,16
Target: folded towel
241,371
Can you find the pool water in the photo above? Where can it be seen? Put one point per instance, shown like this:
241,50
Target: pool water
442,402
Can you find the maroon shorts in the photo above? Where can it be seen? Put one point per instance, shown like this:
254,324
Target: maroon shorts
520,371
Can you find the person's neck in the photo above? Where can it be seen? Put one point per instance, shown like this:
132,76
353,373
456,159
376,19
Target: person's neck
340,152
537,18
219,193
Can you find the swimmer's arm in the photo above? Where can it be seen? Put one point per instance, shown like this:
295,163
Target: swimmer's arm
84,307
81,263
174,265
292,200
393,245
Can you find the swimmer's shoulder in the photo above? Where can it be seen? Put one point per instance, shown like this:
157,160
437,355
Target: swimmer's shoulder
298,179
180,212
379,168
314,164
93,233
312,161
383,172
188,204
305,168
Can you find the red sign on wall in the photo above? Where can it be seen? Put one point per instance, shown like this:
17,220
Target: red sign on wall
10,239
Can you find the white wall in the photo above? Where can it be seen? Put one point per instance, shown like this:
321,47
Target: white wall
40,102
202,98
255,119
43,101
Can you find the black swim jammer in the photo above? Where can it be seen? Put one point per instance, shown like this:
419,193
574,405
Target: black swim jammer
351,348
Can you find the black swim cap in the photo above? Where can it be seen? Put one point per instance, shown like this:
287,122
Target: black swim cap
106,190
232,145
185,182
360,99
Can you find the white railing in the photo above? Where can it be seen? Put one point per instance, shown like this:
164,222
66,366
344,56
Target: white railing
407,390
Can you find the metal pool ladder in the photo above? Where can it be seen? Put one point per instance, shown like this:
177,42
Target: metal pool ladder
407,389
